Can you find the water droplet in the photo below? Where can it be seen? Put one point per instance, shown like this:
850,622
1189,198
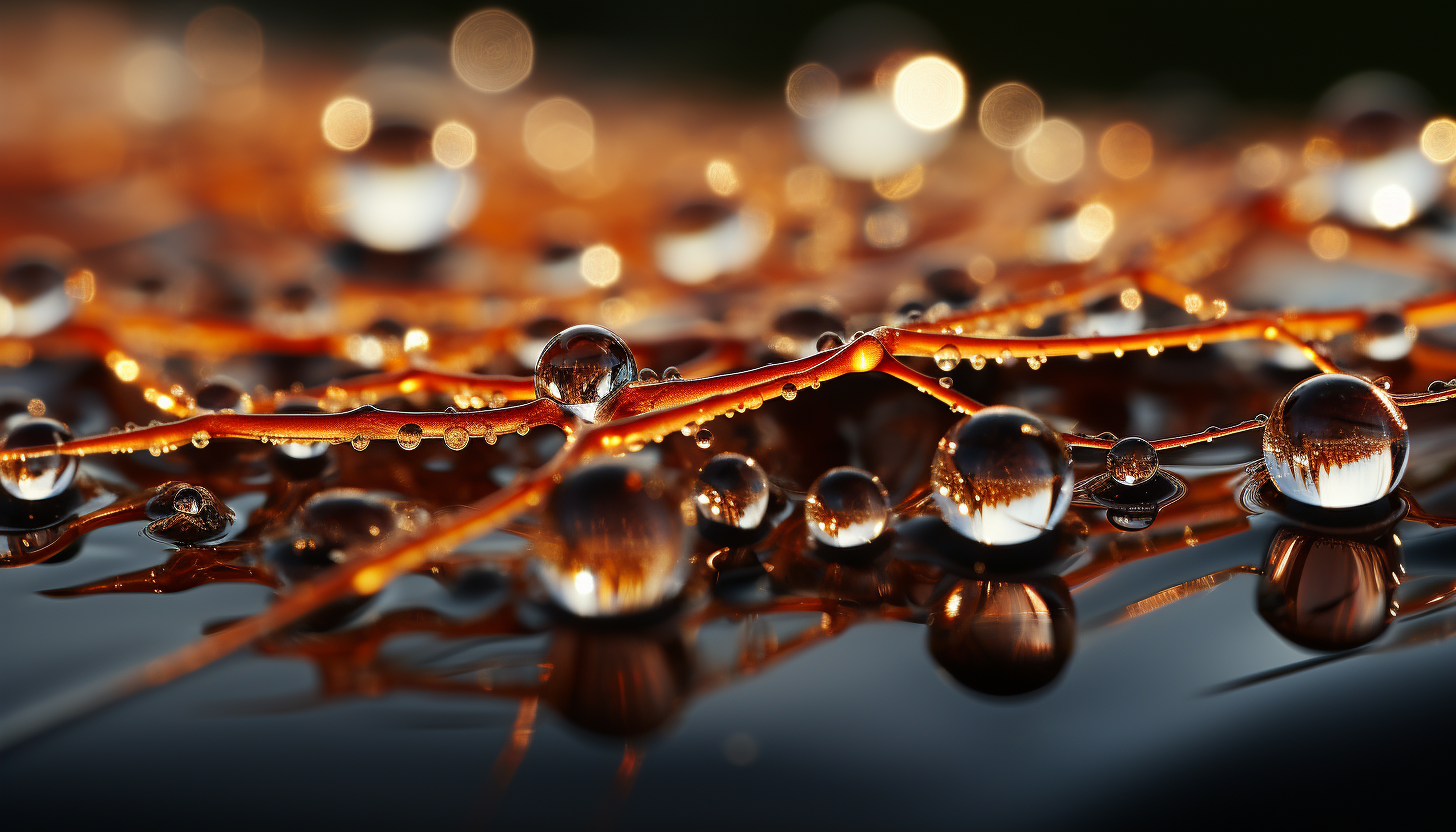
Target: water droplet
1326,592
672,374
978,362
1003,638
1336,441
339,524
704,438
858,334
410,436
829,341
1382,382
1001,476
947,357
1132,461
846,507
647,374
200,439
1438,386
732,490
945,381
612,542
790,392
1386,337
359,443
456,438
523,430
37,477
582,366
490,436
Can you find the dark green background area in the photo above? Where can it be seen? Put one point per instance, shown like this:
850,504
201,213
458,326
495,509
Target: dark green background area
1270,52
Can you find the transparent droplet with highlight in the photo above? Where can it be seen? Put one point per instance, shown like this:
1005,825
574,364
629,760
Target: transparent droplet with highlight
612,542
410,436
1336,441
846,507
947,357
37,477
732,490
829,341
703,438
582,366
456,438
1132,461
1001,476
187,500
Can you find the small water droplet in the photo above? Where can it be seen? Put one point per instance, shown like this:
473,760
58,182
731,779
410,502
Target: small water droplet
523,430
945,381
359,443
858,334
1001,477
1383,382
647,374
200,439
456,438
790,391
187,501
829,341
846,507
1262,418
410,436
451,410
978,362
704,439
947,357
1132,461
672,374
38,477
732,490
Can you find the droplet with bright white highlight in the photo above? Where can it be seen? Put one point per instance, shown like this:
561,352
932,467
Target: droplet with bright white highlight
492,50
930,92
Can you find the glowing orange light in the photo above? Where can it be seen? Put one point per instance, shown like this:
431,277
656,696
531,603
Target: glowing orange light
453,144
1438,140
1126,150
347,123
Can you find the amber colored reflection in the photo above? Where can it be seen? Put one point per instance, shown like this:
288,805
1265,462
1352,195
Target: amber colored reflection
1003,638
619,683
1326,592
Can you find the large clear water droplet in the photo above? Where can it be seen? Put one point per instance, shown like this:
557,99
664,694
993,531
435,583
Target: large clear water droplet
612,542
1336,441
582,366
37,477
732,490
1003,639
846,507
1001,476
1132,461
1326,592
410,436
